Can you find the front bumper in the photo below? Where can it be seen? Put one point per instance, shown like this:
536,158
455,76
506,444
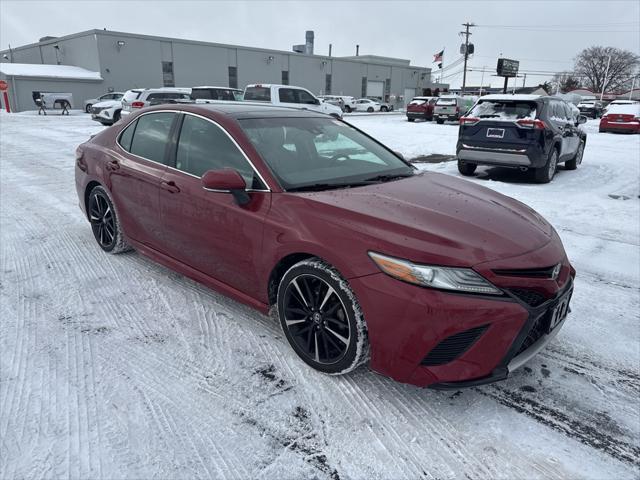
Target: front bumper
103,116
406,323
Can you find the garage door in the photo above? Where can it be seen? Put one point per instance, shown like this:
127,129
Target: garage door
375,89
409,93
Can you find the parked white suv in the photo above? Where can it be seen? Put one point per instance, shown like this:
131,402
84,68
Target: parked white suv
102,98
107,112
289,96
152,96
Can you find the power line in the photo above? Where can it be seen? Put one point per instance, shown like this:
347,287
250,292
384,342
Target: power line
563,25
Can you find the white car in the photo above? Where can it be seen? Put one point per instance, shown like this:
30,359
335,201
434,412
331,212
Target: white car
102,98
107,113
368,105
348,103
140,98
289,96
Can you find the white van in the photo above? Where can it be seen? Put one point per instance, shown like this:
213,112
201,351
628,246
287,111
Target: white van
289,96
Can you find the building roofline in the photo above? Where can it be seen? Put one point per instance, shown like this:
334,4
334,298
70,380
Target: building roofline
115,33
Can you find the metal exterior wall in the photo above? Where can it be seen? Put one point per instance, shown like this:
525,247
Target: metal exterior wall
20,91
138,63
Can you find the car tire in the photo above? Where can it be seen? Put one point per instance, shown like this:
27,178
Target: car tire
440,121
384,109
347,109
87,109
577,160
370,109
321,318
116,116
546,173
104,222
411,119
467,169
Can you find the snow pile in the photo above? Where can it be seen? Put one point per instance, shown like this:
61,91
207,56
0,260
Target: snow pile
50,71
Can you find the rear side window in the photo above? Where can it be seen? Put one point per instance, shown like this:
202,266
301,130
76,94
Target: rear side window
127,135
152,135
261,94
503,110
288,95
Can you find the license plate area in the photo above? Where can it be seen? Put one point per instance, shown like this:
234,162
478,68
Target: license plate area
559,311
495,132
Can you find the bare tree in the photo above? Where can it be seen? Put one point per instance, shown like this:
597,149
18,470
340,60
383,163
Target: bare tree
564,82
591,67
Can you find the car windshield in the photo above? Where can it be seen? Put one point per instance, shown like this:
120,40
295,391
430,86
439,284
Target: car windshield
503,110
321,153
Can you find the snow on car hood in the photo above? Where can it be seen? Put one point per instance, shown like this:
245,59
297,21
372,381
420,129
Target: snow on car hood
439,218
108,104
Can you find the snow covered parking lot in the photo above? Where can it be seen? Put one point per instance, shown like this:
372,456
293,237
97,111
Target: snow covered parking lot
115,367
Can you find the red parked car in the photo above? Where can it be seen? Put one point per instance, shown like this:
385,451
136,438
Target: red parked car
421,107
431,279
621,119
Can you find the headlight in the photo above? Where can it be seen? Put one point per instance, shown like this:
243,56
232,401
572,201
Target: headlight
446,278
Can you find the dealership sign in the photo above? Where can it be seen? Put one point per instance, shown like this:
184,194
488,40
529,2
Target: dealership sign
507,68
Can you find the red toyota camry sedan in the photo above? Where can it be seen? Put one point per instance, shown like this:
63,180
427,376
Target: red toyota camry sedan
430,279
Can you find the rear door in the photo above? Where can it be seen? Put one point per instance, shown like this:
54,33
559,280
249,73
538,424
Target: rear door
135,169
494,124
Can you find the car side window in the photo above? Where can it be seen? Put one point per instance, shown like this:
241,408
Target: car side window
152,135
306,98
203,146
287,95
127,135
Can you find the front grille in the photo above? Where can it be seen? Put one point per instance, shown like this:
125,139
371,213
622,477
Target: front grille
452,347
538,329
96,110
544,272
530,297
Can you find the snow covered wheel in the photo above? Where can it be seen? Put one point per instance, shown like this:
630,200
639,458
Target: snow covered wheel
88,108
321,318
546,173
466,169
577,160
104,222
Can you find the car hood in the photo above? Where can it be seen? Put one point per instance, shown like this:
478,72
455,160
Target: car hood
436,218
107,104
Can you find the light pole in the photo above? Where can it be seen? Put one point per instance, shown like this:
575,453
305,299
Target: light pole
604,82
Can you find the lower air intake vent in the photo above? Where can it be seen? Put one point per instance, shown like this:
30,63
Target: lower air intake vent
452,347
530,297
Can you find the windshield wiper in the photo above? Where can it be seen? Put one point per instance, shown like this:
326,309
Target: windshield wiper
316,187
387,177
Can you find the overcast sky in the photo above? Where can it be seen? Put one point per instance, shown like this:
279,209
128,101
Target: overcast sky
543,35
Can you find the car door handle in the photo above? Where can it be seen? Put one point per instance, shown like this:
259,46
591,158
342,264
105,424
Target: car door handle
169,187
112,165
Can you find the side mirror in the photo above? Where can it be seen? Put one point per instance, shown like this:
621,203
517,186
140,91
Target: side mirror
317,102
226,180
582,119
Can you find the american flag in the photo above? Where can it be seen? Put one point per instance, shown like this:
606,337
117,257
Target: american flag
438,57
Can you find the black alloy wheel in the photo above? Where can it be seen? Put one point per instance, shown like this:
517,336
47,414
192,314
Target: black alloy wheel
102,220
316,319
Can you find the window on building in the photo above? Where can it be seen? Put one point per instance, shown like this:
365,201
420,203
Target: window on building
233,77
167,74
327,83
152,135
364,87
285,77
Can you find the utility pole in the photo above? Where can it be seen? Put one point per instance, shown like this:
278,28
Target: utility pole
524,80
604,82
466,34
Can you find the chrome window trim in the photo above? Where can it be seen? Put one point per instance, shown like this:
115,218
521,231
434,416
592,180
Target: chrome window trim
268,189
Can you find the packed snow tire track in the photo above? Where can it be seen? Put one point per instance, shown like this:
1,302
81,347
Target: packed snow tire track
112,366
